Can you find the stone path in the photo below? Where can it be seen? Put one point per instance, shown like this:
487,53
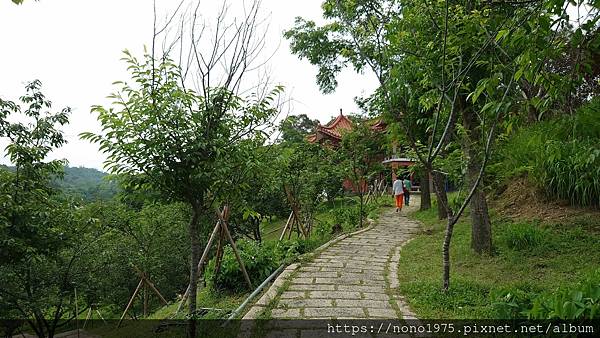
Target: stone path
354,278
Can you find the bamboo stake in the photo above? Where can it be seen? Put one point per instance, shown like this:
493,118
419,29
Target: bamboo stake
131,301
235,251
219,255
286,226
89,315
151,285
296,216
200,263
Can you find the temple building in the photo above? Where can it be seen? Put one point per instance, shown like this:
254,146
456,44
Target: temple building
332,133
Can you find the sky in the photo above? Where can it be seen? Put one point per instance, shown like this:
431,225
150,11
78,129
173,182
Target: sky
74,47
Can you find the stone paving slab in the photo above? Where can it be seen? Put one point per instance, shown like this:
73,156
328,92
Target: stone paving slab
352,277
355,277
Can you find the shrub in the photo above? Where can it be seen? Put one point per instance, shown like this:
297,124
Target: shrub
523,236
259,260
348,217
581,301
561,156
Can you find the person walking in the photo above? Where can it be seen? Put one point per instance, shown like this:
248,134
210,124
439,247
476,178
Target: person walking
398,192
407,187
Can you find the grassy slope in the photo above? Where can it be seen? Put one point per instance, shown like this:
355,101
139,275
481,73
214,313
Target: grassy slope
568,252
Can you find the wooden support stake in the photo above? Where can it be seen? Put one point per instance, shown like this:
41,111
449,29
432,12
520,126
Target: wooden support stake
100,315
297,217
153,288
219,255
149,284
286,226
235,251
89,315
200,263
131,301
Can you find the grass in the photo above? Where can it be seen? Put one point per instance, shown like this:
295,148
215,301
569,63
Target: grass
222,302
558,255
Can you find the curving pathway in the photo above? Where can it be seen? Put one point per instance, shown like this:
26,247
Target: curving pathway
353,278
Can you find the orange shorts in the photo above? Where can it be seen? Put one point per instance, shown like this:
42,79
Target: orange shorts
399,200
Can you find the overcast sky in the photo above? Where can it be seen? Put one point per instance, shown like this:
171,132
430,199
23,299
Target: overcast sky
74,47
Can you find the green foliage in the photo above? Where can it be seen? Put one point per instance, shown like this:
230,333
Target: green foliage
42,234
348,217
561,156
86,183
187,147
258,260
580,301
360,151
481,281
295,128
309,172
149,238
522,236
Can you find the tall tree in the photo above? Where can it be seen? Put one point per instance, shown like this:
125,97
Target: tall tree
42,237
359,151
295,128
186,140
182,144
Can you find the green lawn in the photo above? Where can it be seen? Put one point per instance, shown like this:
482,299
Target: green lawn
556,255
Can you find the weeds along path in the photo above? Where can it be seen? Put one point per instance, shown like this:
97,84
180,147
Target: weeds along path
354,278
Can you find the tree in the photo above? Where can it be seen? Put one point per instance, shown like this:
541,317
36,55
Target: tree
41,233
149,239
295,128
179,143
358,37
299,178
434,62
359,149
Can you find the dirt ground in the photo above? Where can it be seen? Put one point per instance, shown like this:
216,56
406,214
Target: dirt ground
521,200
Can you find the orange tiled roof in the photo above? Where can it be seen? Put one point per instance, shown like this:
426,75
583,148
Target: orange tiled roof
337,127
379,125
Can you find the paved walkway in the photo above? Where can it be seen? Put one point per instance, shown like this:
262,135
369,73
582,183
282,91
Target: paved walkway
355,278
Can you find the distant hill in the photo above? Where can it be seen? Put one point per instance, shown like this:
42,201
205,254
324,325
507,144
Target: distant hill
87,183
90,184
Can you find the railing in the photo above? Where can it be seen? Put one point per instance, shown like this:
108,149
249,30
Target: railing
397,157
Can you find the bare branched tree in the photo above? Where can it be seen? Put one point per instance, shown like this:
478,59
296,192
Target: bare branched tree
216,48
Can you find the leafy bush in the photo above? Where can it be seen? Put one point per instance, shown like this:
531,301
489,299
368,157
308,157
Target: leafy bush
287,251
522,236
581,301
348,217
259,260
561,156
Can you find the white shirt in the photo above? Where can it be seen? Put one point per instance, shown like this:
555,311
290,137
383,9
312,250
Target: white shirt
398,188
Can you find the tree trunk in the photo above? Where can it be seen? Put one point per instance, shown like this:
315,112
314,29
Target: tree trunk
481,229
425,192
194,234
446,254
441,195
441,191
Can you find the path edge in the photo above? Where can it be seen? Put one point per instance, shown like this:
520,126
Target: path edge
259,306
